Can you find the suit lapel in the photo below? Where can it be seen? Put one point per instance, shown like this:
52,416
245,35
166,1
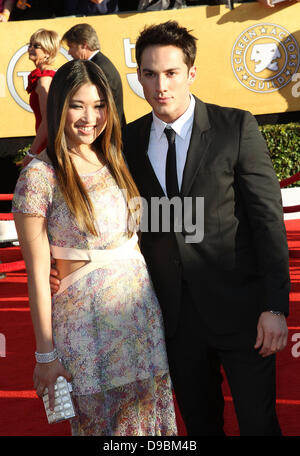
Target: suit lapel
199,146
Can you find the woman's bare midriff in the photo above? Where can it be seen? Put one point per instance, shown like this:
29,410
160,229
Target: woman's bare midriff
66,267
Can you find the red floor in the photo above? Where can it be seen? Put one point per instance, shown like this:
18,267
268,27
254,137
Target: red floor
22,413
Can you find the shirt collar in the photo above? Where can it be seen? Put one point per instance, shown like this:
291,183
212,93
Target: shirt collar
181,125
92,55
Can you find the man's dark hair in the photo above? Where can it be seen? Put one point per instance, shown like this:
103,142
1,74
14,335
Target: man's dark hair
81,34
167,34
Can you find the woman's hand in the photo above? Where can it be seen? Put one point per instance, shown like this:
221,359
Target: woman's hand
3,17
45,375
26,160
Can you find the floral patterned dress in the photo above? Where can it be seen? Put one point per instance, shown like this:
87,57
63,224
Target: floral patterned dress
107,323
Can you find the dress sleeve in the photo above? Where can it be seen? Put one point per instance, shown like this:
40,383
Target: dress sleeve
33,192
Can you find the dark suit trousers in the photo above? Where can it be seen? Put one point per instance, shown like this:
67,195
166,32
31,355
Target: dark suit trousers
195,356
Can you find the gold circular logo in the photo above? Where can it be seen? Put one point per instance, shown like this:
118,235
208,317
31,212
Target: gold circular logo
265,57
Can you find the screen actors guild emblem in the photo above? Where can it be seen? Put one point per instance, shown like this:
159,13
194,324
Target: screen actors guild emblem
265,57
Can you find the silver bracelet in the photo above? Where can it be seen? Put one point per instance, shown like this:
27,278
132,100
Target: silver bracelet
30,154
46,357
276,312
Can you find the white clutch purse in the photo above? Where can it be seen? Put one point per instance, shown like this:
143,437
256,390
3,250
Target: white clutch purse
63,406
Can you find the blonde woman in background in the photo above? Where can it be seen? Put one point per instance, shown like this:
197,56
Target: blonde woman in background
42,50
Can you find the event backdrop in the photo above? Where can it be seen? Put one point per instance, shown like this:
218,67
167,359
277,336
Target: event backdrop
247,58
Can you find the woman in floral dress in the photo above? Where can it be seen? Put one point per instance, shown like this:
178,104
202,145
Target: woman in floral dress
103,329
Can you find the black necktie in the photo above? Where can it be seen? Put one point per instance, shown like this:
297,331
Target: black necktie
171,168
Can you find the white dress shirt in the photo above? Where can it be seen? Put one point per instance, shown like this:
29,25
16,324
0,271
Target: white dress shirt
158,143
92,55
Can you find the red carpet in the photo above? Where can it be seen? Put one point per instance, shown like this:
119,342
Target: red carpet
22,413
288,361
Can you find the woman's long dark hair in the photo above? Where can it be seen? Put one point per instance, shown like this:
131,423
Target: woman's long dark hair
67,80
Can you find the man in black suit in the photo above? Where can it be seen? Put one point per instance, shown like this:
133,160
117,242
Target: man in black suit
83,43
224,293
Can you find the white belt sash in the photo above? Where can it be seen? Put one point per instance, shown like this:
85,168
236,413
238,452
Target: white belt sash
96,259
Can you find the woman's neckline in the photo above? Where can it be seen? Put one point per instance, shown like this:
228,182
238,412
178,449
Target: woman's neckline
92,172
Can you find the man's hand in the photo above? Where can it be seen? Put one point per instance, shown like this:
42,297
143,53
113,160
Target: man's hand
96,1
272,334
3,17
54,281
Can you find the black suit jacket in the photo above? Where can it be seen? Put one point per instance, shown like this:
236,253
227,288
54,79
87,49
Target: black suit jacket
114,80
241,266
